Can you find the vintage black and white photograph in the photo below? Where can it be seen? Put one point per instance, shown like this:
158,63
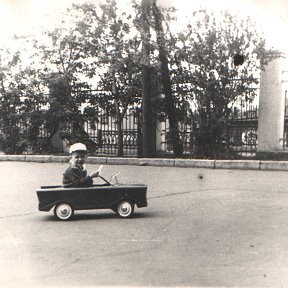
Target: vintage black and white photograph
144,143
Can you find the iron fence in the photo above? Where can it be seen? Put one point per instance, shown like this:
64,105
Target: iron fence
106,136
239,133
163,143
242,130
25,138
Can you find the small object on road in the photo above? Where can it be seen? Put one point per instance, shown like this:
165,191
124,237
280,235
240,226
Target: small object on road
121,198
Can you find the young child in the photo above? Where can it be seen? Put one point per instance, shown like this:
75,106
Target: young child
75,175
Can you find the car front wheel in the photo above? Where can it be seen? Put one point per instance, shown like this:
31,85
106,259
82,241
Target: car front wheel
63,211
125,209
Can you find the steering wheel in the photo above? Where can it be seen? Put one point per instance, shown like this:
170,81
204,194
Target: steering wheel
114,176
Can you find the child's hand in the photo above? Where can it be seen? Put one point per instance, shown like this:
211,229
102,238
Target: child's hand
94,174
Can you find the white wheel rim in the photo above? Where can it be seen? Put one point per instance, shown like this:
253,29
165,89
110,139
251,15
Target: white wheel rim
64,211
125,209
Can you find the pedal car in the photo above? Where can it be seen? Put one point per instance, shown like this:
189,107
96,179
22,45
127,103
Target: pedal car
121,198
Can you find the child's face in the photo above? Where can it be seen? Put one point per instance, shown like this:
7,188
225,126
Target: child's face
78,159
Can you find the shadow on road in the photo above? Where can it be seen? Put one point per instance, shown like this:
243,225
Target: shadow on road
99,216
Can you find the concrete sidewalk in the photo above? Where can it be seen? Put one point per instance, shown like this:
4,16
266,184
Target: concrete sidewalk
195,163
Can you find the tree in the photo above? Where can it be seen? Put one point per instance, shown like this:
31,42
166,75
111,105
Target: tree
147,118
65,64
203,71
166,82
216,63
21,97
115,60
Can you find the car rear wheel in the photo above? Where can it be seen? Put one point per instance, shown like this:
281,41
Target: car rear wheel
125,209
63,211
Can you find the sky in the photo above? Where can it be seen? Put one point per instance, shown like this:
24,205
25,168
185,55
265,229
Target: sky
23,17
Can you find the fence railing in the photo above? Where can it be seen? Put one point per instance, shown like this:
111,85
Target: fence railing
240,136
105,134
242,129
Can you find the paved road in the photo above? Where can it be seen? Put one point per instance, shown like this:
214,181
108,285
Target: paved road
203,228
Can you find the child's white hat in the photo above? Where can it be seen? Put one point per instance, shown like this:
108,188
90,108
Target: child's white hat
78,147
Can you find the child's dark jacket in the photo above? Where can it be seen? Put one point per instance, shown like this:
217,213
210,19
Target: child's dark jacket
76,177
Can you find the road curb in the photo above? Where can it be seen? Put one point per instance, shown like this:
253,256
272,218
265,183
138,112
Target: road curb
274,165
196,163
161,162
239,164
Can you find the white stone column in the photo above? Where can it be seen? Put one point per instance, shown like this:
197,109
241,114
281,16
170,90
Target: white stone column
272,105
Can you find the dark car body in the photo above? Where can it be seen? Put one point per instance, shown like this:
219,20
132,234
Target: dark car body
104,196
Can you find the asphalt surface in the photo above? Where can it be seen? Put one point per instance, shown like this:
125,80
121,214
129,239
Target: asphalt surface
202,228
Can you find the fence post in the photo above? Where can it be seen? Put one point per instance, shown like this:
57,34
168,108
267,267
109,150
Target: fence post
158,136
271,107
99,138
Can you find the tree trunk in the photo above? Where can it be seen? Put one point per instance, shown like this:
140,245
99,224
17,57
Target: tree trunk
119,131
148,123
120,139
166,81
56,142
118,119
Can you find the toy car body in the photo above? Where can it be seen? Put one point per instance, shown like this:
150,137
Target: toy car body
121,198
